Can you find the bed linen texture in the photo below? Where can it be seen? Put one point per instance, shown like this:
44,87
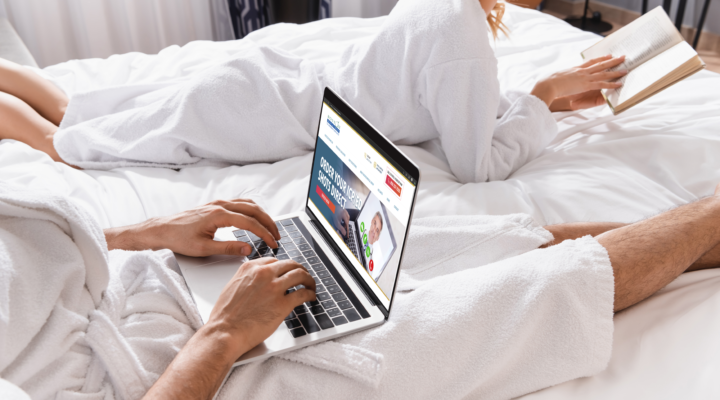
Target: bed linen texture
657,155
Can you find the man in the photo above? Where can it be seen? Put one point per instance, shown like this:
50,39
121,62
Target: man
645,257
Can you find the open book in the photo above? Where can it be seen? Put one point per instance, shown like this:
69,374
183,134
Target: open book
656,57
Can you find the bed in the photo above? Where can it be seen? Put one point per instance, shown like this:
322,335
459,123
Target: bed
660,154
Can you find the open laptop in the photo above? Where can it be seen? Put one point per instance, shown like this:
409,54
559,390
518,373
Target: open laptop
358,241
352,161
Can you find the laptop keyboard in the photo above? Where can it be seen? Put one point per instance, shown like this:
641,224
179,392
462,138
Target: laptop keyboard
332,307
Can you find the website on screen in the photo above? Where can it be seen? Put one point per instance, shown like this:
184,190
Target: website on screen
362,199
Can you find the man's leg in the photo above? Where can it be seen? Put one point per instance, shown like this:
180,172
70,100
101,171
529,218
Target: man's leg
648,255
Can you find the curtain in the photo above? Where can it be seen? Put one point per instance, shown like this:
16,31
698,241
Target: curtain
60,30
250,15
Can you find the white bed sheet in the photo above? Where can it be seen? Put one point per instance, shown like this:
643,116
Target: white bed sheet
657,155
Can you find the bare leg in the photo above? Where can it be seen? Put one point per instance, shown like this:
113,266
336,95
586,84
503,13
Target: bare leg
20,122
575,230
44,97
648,255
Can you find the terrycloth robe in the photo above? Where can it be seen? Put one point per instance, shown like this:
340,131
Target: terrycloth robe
427,72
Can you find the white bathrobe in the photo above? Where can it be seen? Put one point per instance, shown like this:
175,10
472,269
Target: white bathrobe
428,72
480,312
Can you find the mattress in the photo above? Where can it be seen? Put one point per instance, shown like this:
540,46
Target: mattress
653,157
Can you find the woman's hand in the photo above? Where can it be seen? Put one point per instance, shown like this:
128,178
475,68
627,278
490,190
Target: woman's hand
578,101
580,84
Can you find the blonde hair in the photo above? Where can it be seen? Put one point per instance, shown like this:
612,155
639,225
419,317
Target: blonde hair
494,19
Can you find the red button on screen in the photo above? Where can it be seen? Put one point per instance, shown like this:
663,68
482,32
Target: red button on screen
393,185
372,265
325,199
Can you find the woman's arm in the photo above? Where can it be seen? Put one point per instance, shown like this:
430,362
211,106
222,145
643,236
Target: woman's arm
463,98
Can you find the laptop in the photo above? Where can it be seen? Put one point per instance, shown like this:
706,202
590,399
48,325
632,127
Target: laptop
356,169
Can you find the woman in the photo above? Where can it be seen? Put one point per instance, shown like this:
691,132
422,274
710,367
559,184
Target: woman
428,73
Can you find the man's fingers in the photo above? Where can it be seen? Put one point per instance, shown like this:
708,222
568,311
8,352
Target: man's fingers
231,248
229,218
602,66
297,276
300,296
595,61
285,266
253,210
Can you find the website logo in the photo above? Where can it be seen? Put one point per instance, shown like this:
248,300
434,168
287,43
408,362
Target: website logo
367,158
393,183
334,124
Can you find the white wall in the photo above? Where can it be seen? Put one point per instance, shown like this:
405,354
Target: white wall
692,11
362,8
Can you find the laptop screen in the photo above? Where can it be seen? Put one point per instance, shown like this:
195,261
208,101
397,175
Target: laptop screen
362,199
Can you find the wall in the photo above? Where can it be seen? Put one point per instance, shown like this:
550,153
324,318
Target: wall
362,8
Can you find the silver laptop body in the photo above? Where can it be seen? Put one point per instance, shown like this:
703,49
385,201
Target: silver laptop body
349,300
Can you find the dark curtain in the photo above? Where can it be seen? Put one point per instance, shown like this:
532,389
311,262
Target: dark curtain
251,15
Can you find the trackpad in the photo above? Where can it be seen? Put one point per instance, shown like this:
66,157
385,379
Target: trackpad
206,281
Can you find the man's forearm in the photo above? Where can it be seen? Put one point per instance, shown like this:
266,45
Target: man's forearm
198,369
131,237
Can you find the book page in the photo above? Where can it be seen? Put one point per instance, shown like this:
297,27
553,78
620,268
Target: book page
650,72
639,41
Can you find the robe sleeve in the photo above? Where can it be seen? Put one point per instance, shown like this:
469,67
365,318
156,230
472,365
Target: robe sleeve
463,98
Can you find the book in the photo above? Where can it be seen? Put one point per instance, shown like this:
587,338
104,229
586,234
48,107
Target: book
656,57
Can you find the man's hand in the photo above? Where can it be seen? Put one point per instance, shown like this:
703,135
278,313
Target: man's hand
251,306
588,77
191,232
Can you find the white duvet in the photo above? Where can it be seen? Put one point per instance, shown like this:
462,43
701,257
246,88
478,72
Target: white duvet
657,155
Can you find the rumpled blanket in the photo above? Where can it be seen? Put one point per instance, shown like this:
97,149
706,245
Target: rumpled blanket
479,312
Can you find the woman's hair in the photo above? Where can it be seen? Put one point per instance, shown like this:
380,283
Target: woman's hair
494,19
